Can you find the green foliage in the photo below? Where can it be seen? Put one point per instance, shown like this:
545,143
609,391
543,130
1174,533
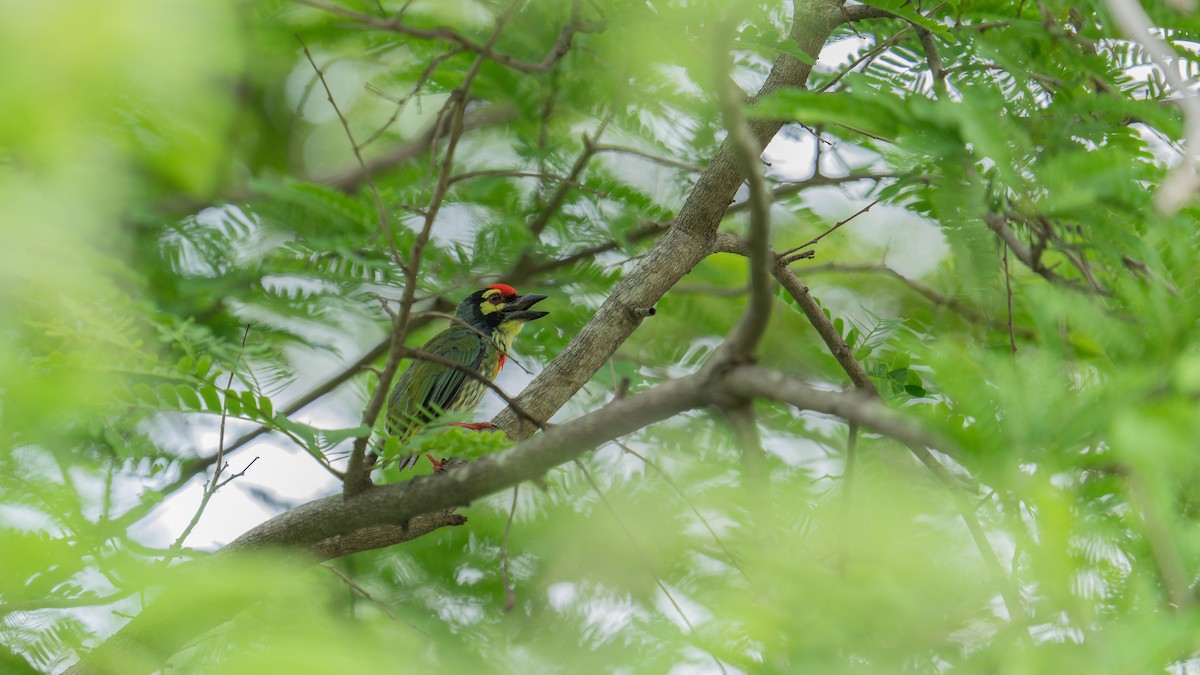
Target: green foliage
191,245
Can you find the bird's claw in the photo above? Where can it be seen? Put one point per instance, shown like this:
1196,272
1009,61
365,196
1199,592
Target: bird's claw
437,466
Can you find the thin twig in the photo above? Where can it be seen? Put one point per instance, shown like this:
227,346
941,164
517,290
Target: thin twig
509,173
819,237
1026,255
219,464
790,188
848,474
380,212
745,335
657,159
416,88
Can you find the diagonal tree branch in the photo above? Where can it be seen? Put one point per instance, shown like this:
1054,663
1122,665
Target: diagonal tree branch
683,246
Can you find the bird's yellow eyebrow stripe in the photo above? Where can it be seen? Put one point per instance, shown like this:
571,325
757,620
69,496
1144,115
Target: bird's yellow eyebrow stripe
487,307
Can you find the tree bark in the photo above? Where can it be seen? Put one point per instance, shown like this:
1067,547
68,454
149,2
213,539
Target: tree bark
684,245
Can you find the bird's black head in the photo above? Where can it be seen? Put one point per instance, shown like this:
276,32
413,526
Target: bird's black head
500,307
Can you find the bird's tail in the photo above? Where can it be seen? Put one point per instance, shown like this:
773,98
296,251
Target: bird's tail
407,463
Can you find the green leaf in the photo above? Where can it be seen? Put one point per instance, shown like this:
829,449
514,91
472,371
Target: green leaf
265,407
212,399
189,397
203,366
146,394
249,403
233,404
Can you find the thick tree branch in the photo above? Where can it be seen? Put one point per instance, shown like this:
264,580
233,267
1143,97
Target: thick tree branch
337,525
683,246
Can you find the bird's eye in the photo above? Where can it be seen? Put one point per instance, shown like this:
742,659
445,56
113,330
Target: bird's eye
495,299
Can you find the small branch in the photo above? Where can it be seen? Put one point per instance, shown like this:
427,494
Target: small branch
430,68
744,337
826,233
929,45
657,159
817,180
380,212
870,54
644,231
833,340
362,591
507,173
860,407
848,474
997,224
556,200
219,464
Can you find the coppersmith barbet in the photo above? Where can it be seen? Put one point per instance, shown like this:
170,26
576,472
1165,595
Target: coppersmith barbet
488,322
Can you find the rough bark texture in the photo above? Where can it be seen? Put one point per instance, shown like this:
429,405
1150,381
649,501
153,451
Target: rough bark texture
688,241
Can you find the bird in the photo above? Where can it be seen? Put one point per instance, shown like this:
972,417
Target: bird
480,338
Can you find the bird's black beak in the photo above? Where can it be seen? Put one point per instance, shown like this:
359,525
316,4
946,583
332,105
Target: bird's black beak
518,308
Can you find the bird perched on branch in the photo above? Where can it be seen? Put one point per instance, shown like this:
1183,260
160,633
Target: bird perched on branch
479,341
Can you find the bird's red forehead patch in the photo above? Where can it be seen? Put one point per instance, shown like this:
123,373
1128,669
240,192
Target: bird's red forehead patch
504,289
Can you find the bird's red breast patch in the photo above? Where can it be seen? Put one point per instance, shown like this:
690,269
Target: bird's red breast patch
503,358
504,289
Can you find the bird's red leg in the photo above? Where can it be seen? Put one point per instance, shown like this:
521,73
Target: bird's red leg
437,466
475,426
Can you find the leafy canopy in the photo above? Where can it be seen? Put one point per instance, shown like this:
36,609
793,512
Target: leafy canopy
199,246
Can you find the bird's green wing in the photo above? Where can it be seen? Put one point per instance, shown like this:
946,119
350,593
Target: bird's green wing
427,389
